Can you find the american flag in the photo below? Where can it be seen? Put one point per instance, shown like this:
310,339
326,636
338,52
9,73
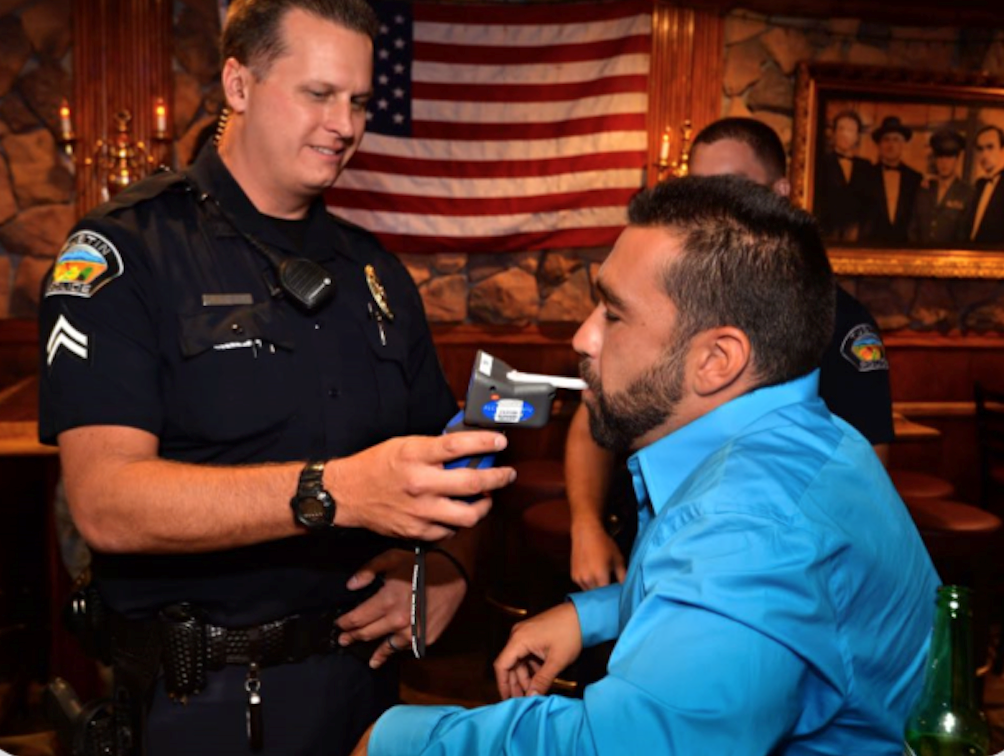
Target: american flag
502,128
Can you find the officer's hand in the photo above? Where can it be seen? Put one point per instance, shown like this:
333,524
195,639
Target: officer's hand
399,488
362,747
595,557
538,649
388,612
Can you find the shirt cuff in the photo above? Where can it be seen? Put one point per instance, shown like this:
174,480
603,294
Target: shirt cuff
405,730
599,613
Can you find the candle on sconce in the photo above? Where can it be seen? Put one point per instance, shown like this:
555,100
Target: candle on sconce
160,119
664,149
65,123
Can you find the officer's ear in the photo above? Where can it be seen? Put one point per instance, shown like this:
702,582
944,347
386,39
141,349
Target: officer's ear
235,84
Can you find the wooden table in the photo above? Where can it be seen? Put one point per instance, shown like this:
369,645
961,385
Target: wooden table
19,421
907,430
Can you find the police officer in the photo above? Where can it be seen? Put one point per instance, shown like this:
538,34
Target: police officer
248,408
938,217
854,373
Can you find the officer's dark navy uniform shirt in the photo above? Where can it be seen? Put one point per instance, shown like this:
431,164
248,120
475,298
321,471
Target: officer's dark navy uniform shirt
854,372
159,316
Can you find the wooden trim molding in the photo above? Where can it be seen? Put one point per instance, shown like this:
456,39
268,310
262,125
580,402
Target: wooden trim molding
121,60
686,72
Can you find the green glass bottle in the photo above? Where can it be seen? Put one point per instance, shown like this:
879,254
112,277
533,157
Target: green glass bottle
947,719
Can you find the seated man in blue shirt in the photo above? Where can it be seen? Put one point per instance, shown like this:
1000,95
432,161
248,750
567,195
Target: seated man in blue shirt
779,599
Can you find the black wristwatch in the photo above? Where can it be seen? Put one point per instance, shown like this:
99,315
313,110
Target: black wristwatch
313,507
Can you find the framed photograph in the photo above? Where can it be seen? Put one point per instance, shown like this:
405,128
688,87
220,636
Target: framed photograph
902,169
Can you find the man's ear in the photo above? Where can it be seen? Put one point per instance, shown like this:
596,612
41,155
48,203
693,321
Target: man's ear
722,356
235,84
782,187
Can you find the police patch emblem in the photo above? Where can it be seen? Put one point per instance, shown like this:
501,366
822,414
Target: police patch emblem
863,348
86,263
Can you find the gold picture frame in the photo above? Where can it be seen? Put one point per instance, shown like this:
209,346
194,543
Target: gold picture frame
919,104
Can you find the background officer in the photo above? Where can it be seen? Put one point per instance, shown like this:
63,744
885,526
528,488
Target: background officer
939,213
237,382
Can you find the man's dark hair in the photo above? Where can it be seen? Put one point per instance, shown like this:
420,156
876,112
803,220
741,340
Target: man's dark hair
997,130
749,259
252,33
760,138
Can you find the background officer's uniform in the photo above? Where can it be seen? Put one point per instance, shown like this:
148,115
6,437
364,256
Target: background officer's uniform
854,372
180,335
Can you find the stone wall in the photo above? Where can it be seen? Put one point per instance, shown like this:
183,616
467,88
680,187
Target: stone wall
760,57
36,182
198,95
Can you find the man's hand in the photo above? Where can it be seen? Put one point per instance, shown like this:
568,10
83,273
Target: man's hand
399,488
388,612
538,649
362,747
595,557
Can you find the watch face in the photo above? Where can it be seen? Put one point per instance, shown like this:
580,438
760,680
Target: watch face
315,511
312,508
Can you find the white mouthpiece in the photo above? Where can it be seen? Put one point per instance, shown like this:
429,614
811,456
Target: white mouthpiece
573,384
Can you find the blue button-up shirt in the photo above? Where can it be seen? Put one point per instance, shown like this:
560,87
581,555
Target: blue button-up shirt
779,601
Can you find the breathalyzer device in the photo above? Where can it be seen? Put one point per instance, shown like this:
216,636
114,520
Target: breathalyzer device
498,397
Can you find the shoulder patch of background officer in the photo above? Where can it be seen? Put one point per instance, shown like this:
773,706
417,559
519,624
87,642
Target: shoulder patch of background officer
87,262
863,348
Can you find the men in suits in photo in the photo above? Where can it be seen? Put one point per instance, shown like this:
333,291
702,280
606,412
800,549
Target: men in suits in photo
891,186
841,181
938,217
984,222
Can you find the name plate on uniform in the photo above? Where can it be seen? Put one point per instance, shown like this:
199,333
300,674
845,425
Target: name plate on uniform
226,300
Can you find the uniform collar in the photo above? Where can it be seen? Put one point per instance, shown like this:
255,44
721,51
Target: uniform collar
324,238
660,468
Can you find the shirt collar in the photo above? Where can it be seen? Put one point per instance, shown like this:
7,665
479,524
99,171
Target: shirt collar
214,178
658,469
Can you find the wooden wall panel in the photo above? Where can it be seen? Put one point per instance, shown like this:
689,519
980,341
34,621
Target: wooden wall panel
686,74
121,60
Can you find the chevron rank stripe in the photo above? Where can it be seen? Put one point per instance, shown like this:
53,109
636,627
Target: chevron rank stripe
65,336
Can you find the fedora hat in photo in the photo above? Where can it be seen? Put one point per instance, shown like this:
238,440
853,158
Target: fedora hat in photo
892,124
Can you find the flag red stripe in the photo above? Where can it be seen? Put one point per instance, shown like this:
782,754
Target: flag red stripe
477,132
557,239
513,15
471,169
505,55
421,90
459,206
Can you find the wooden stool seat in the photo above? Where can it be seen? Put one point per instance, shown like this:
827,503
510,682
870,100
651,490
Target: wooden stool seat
546,528
952,529
915,485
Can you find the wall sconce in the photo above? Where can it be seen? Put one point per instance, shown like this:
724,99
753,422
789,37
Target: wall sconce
123,160
680,166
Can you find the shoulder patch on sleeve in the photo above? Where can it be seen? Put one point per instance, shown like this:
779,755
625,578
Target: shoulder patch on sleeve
863,348
87,262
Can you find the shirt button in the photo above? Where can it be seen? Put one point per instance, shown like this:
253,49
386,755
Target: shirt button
236,328
334,393
318,325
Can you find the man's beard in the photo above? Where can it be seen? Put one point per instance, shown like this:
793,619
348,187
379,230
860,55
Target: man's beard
616,421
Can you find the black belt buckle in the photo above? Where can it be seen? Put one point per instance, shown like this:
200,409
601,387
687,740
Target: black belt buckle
184,650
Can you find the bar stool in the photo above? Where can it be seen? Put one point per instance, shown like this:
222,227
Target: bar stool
960,538
546,531
536,480
912,484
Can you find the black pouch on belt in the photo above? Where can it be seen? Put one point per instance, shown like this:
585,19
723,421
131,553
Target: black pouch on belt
184,650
